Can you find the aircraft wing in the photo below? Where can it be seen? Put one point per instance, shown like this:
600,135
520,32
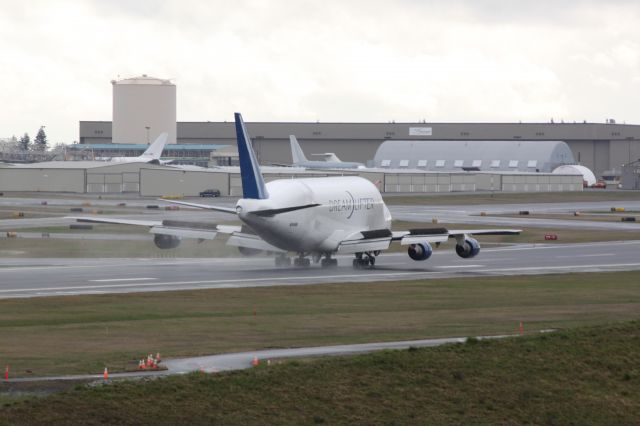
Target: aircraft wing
203,206
366,241
203,231
118,221
239,236
441,235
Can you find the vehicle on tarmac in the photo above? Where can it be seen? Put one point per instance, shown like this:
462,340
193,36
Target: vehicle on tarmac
210,193
315,218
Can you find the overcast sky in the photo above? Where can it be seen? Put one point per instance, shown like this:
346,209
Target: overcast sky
371,61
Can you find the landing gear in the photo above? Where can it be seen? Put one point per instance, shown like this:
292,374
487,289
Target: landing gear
328,262
365,260
283,261
301,261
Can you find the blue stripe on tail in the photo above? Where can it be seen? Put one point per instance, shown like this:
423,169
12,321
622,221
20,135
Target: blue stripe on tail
252,181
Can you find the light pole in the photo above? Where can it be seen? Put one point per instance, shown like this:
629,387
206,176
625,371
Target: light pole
147,127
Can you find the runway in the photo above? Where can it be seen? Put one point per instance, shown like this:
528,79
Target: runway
54,277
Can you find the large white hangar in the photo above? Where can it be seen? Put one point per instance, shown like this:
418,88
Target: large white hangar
94,177
495,156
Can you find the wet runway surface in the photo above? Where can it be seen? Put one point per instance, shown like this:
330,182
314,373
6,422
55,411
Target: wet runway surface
51,277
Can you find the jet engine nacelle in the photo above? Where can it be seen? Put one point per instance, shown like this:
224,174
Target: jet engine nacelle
249,251
470,248
420,251
164,241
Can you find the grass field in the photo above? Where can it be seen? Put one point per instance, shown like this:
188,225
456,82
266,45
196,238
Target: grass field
587,376
49,247
508,198
82,334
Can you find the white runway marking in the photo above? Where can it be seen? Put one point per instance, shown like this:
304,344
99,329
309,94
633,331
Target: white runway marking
122,279
540,268
586,255
209,282
460,266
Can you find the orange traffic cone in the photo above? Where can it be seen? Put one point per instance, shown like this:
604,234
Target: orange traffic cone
255,361
521,329
106,374
6,373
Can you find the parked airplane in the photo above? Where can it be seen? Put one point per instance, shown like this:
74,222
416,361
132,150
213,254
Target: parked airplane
313,217
331,161
150,155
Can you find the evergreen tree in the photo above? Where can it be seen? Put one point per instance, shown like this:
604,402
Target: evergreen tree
24,142
40,142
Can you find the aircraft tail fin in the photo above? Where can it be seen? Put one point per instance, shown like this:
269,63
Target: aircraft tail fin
296,152
155,149
252,181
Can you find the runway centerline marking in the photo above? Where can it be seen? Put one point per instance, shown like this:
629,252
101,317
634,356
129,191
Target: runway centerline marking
460,266
122,279
586,255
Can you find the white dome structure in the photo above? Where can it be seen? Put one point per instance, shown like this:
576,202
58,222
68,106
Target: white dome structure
575,169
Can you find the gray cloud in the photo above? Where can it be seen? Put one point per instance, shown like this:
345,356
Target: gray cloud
485,60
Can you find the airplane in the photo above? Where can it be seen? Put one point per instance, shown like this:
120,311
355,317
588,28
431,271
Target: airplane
150,155
313,217
331,160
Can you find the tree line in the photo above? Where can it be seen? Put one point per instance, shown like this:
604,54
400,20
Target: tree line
39,143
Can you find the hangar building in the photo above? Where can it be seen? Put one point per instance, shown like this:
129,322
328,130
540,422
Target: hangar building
506,156
600,147
156,180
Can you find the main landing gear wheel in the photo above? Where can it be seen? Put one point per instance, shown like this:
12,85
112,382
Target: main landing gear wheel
301,262
329,263
364,262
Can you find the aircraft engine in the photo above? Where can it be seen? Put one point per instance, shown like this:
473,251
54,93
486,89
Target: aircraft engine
249,251
164,241
470,248
420,251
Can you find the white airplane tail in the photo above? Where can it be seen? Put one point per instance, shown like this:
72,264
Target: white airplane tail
155,149
296,152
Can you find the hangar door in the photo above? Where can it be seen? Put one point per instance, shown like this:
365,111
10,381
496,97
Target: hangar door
113,182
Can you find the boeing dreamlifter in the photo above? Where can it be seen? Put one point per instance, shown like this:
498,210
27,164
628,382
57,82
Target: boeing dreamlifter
313,217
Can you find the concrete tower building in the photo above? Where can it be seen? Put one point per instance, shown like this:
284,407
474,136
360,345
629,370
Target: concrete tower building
143,107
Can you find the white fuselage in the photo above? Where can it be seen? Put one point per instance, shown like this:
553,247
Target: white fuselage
345,207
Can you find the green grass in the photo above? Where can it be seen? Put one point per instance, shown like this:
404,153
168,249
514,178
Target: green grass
82,334
62,248
586,376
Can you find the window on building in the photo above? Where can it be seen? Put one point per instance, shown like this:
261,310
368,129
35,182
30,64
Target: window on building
403,163
439,163
513,163
458,163
495,163
532,163
476,163
385,163
422,163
